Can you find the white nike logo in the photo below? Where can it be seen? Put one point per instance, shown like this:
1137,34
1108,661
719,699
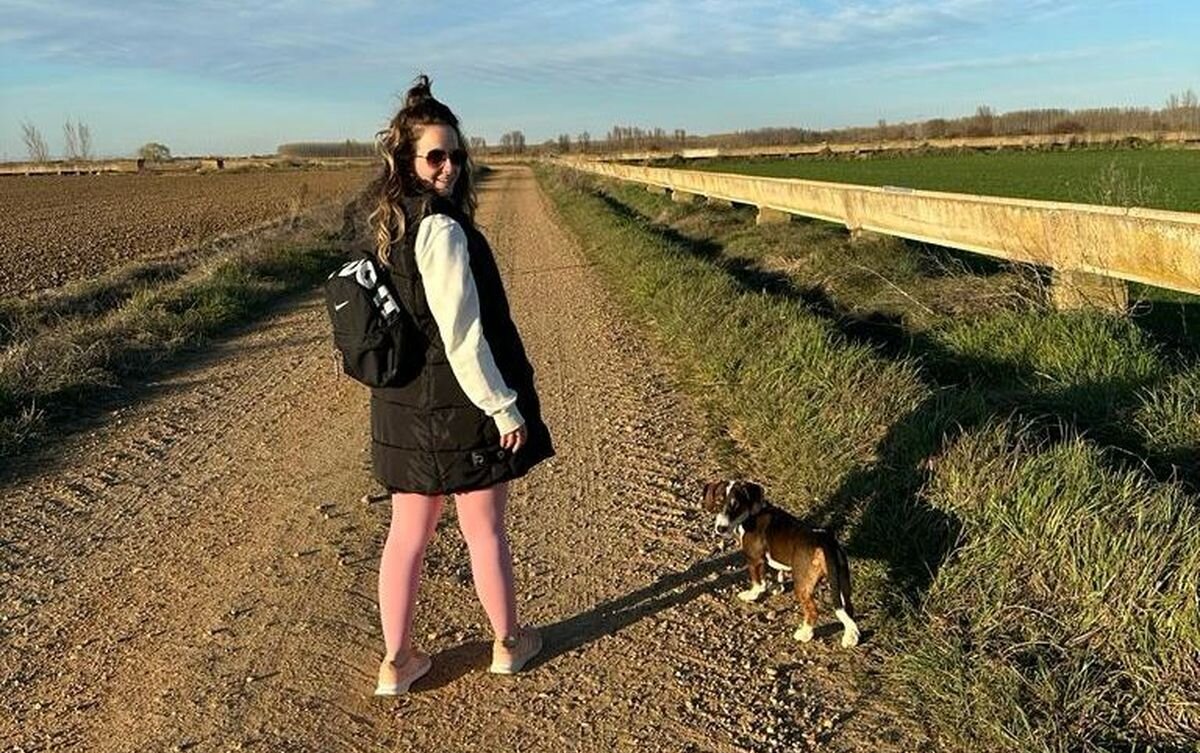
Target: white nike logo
340,306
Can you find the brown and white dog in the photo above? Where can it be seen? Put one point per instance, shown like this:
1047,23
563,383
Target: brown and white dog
770,536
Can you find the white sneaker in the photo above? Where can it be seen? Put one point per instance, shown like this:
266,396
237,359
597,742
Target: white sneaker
395,679
510,654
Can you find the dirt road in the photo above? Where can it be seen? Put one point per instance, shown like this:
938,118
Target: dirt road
196,571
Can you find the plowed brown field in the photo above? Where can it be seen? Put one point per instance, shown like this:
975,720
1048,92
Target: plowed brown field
60,229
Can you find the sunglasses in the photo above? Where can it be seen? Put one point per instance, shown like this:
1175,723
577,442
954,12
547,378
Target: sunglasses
435,158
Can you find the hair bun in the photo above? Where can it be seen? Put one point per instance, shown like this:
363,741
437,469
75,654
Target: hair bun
419,92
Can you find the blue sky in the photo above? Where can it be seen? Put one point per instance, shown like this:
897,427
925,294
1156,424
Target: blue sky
223,77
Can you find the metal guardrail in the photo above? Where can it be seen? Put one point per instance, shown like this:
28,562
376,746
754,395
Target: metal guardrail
1156,247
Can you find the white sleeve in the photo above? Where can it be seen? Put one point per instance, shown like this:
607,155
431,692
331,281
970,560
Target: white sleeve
445,266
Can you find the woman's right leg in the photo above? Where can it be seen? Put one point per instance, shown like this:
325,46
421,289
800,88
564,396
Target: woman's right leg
481,518
414,518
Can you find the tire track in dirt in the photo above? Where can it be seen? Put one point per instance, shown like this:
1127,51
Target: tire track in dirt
198,573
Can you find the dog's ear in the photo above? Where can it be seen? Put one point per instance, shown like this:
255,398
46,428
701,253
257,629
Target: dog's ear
712,496
759,494
751,492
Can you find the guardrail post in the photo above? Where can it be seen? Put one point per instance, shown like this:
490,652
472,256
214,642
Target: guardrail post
858,235
771,216
1075,290
683,197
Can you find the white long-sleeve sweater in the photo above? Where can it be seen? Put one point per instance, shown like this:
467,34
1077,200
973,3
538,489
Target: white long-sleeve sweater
445,266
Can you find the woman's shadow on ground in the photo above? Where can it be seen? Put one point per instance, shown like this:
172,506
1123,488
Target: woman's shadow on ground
608,618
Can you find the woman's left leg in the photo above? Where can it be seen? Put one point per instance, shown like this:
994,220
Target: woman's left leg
414,518
481,518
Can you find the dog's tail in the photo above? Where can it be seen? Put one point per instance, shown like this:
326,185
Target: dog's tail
837,570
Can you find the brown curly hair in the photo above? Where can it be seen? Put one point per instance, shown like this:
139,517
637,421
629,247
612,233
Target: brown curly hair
397,179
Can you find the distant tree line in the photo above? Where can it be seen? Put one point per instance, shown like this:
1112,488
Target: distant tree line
619,138
1181,112
318,149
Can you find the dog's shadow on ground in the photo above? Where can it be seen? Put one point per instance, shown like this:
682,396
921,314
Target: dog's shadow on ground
607,618
670,590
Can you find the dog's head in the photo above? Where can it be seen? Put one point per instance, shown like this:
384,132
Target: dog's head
732,502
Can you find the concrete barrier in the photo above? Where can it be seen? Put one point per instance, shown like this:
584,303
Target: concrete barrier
180,165
1185,139
71,168
1151,246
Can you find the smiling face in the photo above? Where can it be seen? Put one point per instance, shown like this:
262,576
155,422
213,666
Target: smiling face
442,176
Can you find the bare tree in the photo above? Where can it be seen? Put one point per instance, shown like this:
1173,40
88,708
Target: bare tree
513,142
984,122
85,140
70,141
584,140
1191,104
38,152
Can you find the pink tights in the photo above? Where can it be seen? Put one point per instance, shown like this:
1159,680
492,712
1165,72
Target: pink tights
414,518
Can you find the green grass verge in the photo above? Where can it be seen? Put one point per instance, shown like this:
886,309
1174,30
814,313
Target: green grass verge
982,455
1067,618
61,349
1160,178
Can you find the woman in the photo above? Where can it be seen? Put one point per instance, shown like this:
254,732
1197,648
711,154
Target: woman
463,417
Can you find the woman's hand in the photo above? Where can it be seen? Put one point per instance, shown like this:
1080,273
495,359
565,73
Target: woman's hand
515,439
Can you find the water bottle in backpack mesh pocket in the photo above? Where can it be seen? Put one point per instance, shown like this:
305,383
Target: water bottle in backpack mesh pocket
370,328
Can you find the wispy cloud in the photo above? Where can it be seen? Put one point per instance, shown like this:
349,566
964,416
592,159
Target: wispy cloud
619,41
1024,60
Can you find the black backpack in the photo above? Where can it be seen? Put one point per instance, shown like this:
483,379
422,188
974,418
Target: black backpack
370,327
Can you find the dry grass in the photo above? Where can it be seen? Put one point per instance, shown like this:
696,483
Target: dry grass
62,347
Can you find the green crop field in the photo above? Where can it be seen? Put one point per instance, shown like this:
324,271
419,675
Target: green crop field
1160,178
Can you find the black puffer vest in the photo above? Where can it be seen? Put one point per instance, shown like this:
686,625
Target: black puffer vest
426,435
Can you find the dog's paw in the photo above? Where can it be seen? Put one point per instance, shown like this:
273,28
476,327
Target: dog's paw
750,594
850,638
850,631
804,633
